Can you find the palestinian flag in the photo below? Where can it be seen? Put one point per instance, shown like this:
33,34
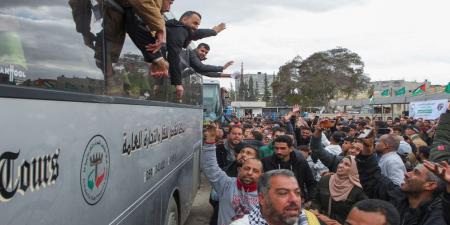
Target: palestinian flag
447,88
419,90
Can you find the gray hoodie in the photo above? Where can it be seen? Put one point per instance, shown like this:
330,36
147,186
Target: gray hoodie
233,202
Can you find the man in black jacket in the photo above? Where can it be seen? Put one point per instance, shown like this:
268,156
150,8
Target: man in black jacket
417,199
285,158
195,58
179,35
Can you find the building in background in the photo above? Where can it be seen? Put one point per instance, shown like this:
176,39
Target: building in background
258,81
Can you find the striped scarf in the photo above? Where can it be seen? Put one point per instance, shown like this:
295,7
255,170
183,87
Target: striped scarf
305,218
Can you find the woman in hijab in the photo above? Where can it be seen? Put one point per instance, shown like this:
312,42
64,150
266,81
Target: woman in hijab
337,193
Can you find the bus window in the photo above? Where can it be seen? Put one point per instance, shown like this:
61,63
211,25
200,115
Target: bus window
79,46
41,46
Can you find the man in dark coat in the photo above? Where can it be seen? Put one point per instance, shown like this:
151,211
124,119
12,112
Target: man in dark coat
180,33
285,158
195,58
417,199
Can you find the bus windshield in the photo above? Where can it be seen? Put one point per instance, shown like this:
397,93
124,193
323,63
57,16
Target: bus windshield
211,101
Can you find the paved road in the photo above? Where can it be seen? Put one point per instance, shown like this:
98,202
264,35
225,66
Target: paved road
201,210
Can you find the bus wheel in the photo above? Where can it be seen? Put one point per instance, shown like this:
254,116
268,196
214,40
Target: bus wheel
172,213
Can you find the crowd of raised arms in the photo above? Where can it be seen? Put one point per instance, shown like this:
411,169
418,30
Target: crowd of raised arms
292,170
340,170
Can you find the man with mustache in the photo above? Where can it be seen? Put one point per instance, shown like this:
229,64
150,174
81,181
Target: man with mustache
279,201
196,57
237,195
418,199
179,35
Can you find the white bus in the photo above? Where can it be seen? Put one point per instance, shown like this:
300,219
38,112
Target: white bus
79,148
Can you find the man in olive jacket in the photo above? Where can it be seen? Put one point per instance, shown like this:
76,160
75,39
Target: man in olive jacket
440,150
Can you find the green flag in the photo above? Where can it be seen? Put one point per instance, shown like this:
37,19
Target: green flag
447,88
400,92
419,90
385,92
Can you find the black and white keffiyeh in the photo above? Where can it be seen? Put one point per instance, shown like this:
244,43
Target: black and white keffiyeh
255,218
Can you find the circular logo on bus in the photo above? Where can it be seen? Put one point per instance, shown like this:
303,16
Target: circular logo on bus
94,170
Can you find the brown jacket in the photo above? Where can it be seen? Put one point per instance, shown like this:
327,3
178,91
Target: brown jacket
148,10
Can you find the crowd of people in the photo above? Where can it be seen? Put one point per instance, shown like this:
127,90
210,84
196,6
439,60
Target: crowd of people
341,170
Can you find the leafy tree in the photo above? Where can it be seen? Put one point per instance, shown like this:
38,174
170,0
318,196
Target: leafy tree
324,74
251,90
243,90
232,92
256,91
284,83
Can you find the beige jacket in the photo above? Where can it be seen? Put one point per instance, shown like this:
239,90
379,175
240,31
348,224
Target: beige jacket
149,11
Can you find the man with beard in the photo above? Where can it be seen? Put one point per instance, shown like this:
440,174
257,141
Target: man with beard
197,55
179,35
226,152
243,153
267,150
303,135
237,196
417,199
285,158
279,201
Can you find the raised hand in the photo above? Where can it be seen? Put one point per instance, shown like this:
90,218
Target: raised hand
441,170
318,130
210,133
228,64
368,145
296,108
220,27
89,39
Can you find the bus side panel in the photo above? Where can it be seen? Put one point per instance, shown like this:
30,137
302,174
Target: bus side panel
89,163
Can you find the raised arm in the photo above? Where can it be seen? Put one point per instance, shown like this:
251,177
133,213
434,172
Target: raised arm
375,185
199,67
318,152
216,176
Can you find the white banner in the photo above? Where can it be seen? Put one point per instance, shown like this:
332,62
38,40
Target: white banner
428,110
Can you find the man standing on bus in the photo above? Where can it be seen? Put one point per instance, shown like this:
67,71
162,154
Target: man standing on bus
237,196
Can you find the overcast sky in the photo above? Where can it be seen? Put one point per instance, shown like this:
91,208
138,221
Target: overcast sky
397,39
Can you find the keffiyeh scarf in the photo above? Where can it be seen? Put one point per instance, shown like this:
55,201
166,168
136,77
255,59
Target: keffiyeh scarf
255,218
